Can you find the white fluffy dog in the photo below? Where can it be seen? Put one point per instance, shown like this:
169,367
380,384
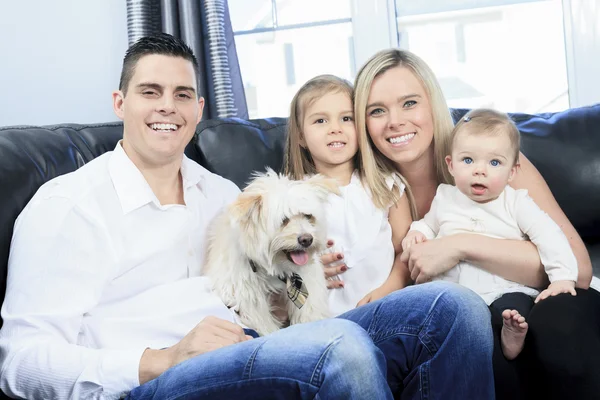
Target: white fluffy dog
263,242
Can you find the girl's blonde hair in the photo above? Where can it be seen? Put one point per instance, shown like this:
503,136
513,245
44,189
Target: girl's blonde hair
377,65
297,161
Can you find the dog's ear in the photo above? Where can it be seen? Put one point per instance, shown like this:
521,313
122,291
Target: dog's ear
324,185
246,205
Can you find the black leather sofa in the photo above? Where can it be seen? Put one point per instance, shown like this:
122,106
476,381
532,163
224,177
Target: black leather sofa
564,146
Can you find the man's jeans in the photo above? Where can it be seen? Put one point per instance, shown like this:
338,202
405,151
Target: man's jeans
431,341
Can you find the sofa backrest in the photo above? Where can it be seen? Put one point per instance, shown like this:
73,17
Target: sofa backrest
565,147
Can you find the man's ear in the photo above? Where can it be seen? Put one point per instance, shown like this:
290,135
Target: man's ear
449,164
118,103
201,106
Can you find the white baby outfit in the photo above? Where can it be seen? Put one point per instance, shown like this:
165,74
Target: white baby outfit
513,215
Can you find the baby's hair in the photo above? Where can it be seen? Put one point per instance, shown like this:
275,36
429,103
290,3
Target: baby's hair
489,122
297,161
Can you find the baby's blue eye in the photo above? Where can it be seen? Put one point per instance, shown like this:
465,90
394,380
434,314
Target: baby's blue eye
468,160
494,163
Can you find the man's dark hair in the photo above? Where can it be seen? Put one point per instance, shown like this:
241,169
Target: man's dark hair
162,44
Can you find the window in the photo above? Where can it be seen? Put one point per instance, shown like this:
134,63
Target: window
505,54
283,43
514,55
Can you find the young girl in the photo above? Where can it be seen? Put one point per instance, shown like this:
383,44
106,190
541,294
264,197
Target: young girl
368,221
483,160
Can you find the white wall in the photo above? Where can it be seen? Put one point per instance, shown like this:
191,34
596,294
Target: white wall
60,60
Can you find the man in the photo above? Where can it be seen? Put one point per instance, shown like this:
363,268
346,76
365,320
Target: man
105,297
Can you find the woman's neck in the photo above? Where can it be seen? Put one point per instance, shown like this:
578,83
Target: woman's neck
422,178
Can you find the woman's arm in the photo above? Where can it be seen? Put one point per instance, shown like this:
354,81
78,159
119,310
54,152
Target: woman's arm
515,260
400,220
528,177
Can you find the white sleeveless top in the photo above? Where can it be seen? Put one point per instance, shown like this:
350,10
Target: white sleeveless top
362,232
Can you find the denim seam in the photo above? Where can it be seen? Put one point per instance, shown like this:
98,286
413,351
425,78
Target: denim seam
381,336
319,366
424,379
248,368
424,337
204,388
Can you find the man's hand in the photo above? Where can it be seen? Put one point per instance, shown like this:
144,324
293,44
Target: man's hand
429,259
412,237
210,334
557,287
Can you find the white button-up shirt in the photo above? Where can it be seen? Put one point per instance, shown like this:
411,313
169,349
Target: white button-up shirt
98,271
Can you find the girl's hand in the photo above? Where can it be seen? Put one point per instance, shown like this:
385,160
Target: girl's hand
377,294
412,237
431,258
332,272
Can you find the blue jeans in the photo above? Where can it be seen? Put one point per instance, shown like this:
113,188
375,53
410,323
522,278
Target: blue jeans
429,341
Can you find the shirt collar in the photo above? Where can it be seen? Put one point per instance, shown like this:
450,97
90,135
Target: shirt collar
133,189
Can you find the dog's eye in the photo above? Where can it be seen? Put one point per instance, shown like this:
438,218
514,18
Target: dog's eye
308,216
285,221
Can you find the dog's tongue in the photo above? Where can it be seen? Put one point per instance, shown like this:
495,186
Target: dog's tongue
299,257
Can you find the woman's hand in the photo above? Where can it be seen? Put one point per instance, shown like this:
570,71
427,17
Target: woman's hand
429,259
332,272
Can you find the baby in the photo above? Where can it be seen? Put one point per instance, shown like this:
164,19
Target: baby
484,159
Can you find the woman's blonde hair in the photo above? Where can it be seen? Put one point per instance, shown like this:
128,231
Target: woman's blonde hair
372,158
297,161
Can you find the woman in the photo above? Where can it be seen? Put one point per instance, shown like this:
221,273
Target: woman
401,112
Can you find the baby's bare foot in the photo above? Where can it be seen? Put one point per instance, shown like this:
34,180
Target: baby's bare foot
513,333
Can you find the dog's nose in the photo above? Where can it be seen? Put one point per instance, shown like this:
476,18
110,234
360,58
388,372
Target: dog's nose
305,239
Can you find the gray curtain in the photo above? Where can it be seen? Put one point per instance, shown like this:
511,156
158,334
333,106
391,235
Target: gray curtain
205,26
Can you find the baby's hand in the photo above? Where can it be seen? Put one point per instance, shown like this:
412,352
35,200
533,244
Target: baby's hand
412,237
557,287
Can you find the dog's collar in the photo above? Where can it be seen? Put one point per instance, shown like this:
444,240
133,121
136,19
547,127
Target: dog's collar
282,278
296,290
253,265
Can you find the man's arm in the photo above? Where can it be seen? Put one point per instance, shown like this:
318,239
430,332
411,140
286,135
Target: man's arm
60,260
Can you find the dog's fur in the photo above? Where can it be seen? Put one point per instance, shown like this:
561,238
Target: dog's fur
268,220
